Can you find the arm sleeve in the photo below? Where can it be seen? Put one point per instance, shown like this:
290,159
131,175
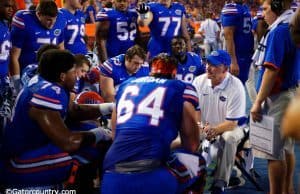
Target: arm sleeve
191,96
106,69
51,97
18,30
229,15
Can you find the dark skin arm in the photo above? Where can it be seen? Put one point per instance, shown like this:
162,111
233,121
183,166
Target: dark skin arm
102,29
229,39
81,112
53,126
189,133
185,34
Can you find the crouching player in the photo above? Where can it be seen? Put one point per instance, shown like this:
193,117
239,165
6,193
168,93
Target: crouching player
150,113
38,149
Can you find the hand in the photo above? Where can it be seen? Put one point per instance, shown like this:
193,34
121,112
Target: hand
234,69
256,112
210,132
142,8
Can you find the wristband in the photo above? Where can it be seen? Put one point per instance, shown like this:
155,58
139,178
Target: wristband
106,108
144,16
15,77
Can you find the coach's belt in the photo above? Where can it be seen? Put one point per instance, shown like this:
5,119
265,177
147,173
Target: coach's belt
137,166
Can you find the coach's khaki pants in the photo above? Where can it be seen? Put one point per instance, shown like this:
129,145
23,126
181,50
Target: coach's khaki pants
228,143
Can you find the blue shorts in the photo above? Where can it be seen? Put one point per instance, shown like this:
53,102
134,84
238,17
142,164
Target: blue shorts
157,181
174,177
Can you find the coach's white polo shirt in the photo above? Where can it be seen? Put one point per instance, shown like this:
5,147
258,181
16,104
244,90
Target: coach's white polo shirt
225,101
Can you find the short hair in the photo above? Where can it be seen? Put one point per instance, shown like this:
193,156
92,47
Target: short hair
43,49
163,66
53,62
135,50
179,37
80,59
47,8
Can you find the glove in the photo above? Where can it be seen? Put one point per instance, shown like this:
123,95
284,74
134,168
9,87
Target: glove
93,76
16,84
142,8
101,134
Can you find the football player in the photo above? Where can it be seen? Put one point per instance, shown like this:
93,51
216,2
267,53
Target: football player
116,30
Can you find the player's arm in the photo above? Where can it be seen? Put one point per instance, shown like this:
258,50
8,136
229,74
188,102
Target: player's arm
145,16
81,112
92,17
53,126
107,88
230,46
102,30
189,133
14,67
185,33
113,123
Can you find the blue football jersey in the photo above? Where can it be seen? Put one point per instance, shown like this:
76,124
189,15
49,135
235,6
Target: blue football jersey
190,69
74,31
122,30
238,15
90,8
22,129
149,116
29,35
165,25
115,69
5,46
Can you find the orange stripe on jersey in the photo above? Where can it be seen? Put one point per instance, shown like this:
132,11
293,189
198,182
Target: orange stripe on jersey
41,158
271,66
46,98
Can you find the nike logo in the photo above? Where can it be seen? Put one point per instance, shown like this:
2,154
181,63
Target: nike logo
36,33
205,94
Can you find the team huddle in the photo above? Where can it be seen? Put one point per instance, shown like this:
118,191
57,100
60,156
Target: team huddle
75,109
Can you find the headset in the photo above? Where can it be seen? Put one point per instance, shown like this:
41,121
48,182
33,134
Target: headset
277,6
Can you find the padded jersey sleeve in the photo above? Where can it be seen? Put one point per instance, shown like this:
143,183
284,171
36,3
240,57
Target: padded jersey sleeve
50,96
18,29
190,95
103,15
106,68
229,15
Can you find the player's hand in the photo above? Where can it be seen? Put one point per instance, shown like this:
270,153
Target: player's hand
142,8
234,69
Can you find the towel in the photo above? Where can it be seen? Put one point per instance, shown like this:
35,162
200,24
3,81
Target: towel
259,54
